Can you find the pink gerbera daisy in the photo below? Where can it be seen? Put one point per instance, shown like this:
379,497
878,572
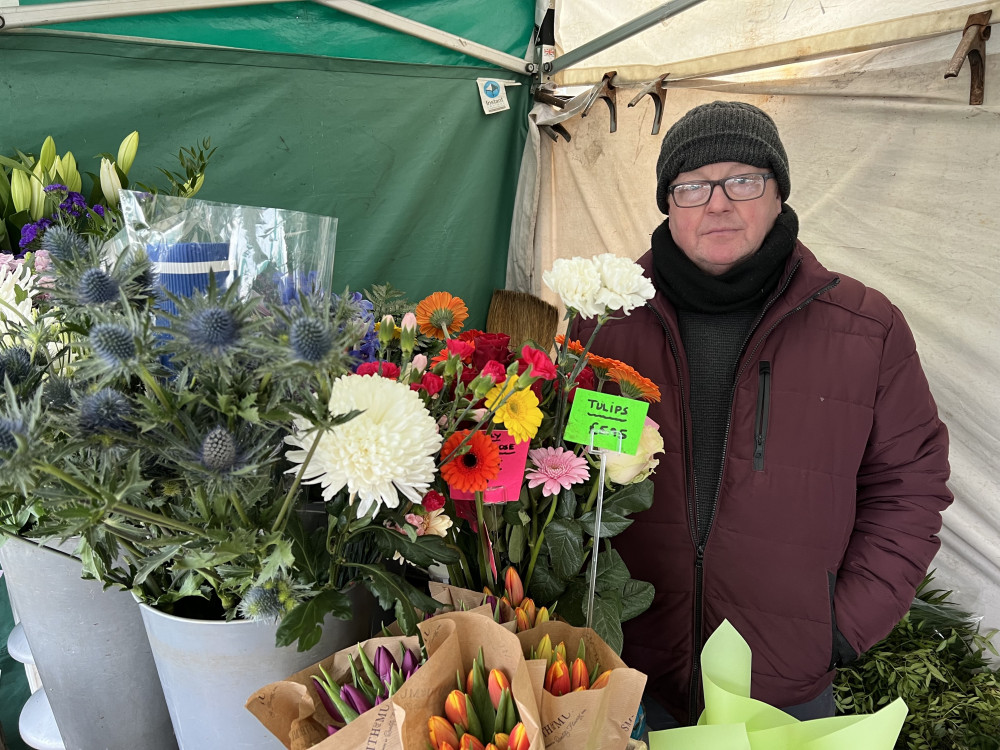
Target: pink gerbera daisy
556,468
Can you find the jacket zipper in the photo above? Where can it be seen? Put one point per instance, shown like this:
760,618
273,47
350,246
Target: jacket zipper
763,407
701,544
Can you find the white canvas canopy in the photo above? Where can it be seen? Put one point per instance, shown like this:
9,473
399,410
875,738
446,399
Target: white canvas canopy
895,178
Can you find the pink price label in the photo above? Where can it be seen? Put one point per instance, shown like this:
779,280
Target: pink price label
506,488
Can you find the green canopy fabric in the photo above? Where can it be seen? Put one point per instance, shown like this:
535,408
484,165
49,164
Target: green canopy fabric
14,689
308,28
421,180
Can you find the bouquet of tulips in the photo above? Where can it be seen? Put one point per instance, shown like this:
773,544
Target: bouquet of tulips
344,701
493,704
575,709
509,606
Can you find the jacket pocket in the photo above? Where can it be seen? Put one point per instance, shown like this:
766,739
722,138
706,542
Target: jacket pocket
842,653
760,421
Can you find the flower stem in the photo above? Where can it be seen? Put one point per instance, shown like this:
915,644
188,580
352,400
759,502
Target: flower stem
484,544
536,548
592,496
279,522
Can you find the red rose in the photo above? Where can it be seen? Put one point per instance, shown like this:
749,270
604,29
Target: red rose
490,346
432,501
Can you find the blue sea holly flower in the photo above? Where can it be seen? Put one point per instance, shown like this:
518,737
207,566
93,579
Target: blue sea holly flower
8,429
63,243
113,343
268,601
311,338
15,363
213,329
218,450
58,393
107,410
97,287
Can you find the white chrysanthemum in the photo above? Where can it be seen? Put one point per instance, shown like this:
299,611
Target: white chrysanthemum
387,449
623,287
577,281
17,292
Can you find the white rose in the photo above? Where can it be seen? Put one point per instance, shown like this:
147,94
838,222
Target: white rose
623,286
577,281
623,469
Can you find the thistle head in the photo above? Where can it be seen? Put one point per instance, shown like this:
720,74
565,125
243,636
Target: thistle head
267,601
96,287
218,450
213,329
63,243
8,429
15,363
311,338
106,410
58,393
113,343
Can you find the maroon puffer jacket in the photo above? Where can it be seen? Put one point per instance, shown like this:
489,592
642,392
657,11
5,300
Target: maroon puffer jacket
829,504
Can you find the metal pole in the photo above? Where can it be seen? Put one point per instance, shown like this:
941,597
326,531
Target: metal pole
430,34
620,34
47,14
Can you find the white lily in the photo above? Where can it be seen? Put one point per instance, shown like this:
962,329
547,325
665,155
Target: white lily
110,184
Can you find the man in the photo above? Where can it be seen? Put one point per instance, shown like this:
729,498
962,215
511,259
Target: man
803,480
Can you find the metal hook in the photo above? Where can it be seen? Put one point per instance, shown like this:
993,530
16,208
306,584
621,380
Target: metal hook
556,130
604,90
657,90
973,46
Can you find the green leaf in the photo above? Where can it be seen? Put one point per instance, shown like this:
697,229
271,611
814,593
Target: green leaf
567,504
153,562
564,542
607,619
612,573
422,551
544,587
631,498
637,597
516,542
394,593
305,622
611,523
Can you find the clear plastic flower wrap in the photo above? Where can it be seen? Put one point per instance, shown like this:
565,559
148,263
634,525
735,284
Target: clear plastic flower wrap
272,252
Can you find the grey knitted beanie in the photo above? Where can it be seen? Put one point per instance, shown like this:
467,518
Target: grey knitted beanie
721,131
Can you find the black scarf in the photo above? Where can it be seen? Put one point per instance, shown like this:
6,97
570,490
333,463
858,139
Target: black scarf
744,286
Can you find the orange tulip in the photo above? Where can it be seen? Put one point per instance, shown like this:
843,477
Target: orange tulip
528,605
468,682
469,742
445,746
501,740
456,708
491,746
579,677
559,651
601,681
557,680
513,586
441,732
523,623
518,739
497,683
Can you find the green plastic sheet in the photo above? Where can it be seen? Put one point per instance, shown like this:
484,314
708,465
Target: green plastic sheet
735,721
421,180
309,28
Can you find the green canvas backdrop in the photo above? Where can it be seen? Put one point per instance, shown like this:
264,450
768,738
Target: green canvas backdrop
421,180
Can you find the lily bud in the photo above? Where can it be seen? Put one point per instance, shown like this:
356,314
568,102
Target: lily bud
579,677
110,184
513,586
126,151
557,680
69,173
192,186
440,730
518,739
20,190
497,683
37,207
601,681
47,155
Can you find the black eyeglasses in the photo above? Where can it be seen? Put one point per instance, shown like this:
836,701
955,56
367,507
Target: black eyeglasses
739,187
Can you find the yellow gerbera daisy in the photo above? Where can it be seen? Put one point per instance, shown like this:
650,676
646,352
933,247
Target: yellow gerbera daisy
519,414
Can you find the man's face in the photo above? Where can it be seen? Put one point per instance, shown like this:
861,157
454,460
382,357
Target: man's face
723,232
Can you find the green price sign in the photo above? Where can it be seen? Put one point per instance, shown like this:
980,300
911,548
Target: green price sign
606,421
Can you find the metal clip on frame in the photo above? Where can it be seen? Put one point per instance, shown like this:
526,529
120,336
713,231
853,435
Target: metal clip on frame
604,90
973,46
657,91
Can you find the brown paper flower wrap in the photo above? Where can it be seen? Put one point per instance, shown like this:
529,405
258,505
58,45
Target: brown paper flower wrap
587,719
293,712
453,640
467,600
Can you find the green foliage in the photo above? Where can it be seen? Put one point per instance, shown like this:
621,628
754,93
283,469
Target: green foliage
937,660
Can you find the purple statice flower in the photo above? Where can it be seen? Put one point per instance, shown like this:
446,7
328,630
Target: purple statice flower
99,210
55,186
73,205
29,232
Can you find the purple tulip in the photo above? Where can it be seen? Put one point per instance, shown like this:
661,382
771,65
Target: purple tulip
354,698
330,729
327,703
410,663
384,664
378,699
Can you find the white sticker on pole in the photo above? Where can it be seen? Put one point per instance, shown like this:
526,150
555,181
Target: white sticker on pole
493,94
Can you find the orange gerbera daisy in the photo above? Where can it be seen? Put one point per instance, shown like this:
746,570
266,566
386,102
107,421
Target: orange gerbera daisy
441,314
632,384
574,346
476,468
602,366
